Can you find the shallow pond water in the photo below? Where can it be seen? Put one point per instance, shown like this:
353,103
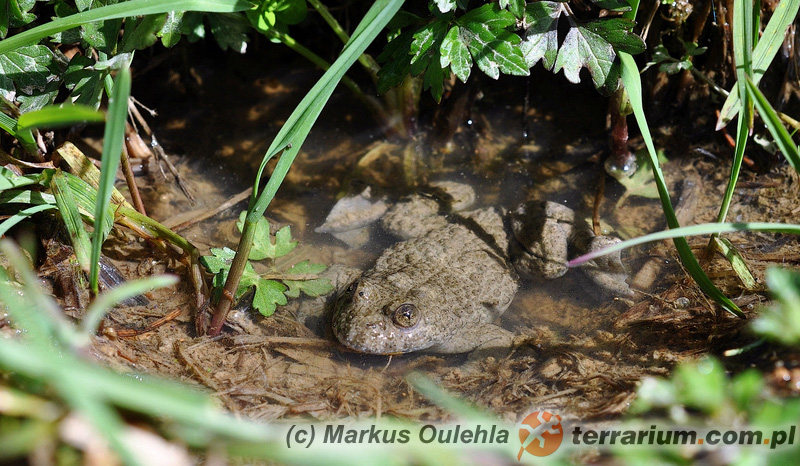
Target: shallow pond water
585,351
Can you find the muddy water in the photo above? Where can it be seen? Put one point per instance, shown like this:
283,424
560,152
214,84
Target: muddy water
585,352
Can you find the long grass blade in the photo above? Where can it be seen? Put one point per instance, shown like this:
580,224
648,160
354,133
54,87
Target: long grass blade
633,86
693,230
113,138
53,116
11,221
120,10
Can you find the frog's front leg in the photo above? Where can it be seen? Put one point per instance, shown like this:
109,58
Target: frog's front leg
547,233
478,336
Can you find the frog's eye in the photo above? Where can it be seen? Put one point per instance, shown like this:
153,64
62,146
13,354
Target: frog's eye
405,316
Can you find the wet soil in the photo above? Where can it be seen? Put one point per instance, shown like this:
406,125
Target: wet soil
584,354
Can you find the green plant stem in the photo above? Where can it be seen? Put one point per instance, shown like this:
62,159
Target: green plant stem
369,63
370,102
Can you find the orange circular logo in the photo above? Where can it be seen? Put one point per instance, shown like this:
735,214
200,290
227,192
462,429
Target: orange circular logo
540,434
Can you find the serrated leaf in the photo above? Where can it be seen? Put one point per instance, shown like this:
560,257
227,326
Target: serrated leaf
427,39
27,70
230,31
494,51
306,267
516,7
434,77
540,41
455,54
14,14
584,48
263,247
396,62
617,32
269,294
219,259
141,33
313,288
490,15
445,5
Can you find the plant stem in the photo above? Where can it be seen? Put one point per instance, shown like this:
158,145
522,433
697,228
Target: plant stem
369,64
232,283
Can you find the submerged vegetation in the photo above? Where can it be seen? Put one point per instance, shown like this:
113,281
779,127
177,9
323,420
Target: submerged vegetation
61,62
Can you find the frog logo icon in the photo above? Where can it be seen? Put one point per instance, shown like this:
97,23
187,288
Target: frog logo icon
540,434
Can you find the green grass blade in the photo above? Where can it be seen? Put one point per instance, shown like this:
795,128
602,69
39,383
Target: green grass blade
78,237
113,138
742,130
693,230
106,301
22,215
779,134
10,180
763,55
120,10
53,116
633,86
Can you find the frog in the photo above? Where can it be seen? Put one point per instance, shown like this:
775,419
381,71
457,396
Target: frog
454,272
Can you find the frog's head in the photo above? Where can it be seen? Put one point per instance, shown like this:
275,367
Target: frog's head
367,319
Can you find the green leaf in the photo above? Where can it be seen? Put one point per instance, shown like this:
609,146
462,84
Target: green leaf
26,70
310,286
306,267
315,287
263,247
15,13
230,31
291,11
617,32
396,63
85,83
445,5
141,33
494,50
516,7
426,41
434,77
10,180
540,41
219,259
781,321
613,5
456,55
584,48
269,294
489,15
